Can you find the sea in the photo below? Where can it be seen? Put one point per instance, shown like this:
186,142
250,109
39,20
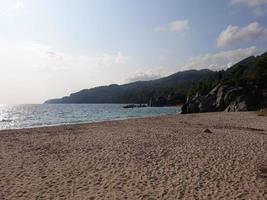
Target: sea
39,115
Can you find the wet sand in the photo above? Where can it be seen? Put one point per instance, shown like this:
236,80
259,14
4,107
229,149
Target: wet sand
170,157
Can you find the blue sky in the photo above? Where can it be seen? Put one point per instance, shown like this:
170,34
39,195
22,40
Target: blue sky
50,48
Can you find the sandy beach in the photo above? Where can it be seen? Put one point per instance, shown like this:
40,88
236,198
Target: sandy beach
170,157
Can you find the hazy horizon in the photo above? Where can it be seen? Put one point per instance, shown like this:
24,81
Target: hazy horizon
49,49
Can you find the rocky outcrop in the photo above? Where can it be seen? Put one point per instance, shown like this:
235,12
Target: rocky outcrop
238,105
227,98
172,99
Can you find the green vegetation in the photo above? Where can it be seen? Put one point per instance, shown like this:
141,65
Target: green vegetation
250,73
167,91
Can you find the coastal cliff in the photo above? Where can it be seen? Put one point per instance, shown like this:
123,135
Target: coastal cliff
242,87
228,98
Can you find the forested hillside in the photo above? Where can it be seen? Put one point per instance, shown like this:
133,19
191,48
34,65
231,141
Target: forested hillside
249,74
171,90
242,87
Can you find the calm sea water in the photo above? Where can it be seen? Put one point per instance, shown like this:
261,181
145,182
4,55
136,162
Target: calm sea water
25,116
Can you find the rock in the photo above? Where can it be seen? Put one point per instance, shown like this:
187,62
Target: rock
262,172
191,106
207,131
238,105
264,98
242,107
130,106
220,97
231,94
242,87
214,91
207,104
200,104
227,98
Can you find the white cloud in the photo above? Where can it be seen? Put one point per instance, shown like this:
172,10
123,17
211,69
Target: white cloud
218,61
177,26
249,2
10,7
213,61
234,34
20,4
144,76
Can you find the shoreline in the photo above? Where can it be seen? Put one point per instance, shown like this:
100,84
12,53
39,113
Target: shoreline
55,120
111,120
115,120
162,157
88,123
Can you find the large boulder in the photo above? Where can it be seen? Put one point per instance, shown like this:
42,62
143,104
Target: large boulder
264,98
238,105
199,104
207,103
190,107
227,98
232,94
220,97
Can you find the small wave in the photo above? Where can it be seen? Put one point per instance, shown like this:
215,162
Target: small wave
6,120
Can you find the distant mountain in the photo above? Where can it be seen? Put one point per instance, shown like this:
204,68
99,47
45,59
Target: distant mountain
170,90
241,87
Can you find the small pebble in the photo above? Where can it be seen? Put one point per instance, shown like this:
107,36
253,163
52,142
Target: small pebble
207,131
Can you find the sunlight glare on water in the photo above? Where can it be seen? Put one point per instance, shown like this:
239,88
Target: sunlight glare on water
25,116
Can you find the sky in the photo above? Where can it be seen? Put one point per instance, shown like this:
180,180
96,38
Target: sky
51,48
